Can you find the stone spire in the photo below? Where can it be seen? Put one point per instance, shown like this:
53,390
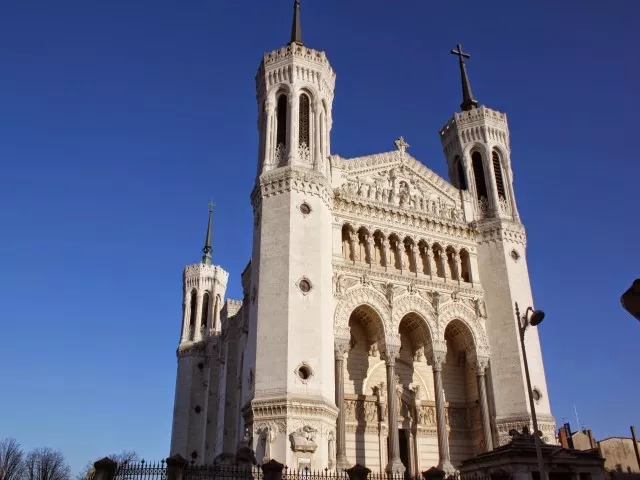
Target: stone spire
296,28
207,250
468,102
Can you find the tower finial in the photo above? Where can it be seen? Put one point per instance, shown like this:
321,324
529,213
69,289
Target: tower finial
296,28
207,250
468,102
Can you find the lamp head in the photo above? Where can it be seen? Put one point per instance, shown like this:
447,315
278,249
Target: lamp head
536,318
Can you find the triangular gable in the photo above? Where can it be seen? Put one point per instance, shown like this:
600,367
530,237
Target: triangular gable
378,168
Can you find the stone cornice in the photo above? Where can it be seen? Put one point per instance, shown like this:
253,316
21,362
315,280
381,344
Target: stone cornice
377,274
287,179
290,406
498,230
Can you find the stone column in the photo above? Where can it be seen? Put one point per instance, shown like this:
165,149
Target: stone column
341,347
197,324
384,252
185,318
494,201
395,464
268,136
437,360
175,467
315,134
293,127
481,366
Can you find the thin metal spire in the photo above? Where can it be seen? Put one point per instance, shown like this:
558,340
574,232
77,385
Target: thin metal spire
207,250
468,102
296,28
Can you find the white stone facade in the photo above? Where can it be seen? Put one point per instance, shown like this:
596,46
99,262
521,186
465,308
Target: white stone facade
377,294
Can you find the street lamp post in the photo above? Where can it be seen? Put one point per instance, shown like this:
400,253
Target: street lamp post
523,322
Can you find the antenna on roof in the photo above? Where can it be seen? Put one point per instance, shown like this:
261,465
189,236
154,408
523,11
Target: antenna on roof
577,420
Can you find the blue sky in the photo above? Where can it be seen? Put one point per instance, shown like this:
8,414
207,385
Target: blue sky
119,121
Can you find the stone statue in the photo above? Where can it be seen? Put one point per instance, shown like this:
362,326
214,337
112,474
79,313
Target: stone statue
303,439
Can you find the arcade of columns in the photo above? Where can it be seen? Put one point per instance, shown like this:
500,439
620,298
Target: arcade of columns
436,352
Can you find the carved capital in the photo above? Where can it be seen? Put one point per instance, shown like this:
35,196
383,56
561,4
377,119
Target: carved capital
437,358
479,362
392,351
340,347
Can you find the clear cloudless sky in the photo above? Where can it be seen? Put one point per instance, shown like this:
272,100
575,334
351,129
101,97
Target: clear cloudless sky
119,120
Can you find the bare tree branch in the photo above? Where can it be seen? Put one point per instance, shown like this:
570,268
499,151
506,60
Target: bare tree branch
122,459
46,464
11,460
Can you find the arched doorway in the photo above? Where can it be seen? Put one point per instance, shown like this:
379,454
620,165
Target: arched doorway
464,423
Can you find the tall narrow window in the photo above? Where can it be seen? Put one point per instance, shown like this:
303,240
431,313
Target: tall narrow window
462,179
497,168
304,120
194,305
478,172
322,135
281,115
205,310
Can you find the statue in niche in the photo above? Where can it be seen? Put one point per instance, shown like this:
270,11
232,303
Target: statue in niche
331,448
373,349
481,308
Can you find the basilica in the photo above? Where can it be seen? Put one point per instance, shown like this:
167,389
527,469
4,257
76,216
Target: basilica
378,321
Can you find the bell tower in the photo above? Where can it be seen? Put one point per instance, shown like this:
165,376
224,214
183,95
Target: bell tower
289,409
476,144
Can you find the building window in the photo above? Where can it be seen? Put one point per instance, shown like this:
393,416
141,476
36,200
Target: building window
281,115
304,121
478,173
205,310
462,179
497,169
194,305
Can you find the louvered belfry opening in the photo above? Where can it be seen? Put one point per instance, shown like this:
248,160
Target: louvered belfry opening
478,173
462,179
497,168
205,309
281,133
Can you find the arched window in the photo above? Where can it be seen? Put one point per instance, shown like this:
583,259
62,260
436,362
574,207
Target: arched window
497,169
281,115
205,309
304,121
194,305
322,154
478,172
462,179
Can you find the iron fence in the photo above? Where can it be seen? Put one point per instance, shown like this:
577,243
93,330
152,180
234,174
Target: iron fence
158,471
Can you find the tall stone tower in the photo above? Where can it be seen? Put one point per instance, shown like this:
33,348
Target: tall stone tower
289,356
477,147
196,400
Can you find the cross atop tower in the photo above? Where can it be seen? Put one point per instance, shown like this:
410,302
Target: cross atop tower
207,250
468,102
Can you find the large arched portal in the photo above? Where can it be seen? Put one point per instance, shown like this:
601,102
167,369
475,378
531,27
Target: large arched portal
461,393
364,374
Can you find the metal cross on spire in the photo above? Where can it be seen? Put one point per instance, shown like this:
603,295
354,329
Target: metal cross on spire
207,250
468,102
